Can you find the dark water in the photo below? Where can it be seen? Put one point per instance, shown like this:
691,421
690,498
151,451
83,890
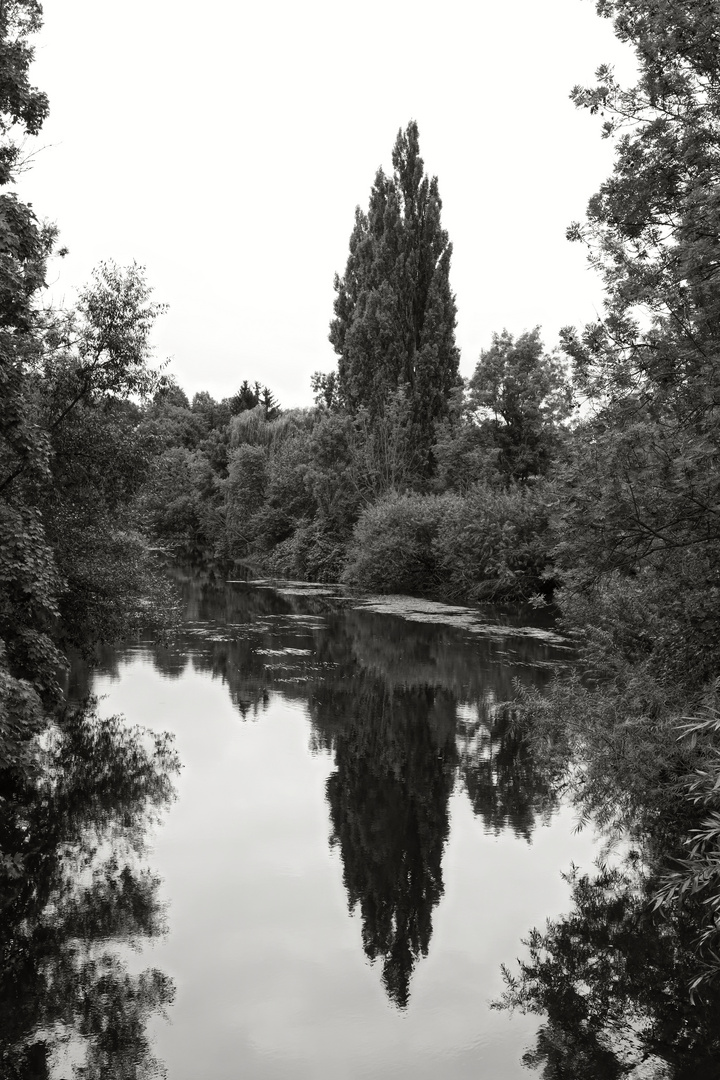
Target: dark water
356,840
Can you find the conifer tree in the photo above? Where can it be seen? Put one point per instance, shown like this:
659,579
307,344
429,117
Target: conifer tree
395,313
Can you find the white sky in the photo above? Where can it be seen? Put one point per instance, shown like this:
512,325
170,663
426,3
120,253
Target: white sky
225,147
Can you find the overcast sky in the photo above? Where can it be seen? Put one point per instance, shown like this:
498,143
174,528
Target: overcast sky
226,145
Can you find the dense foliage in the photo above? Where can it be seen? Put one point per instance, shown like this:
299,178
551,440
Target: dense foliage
637,550
394,322
75,567
183,500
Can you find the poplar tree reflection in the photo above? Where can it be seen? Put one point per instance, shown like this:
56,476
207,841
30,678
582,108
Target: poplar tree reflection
78,829
388,799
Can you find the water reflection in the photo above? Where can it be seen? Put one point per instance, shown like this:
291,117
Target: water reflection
508,789
395,757
78,826
612,978
408,710
411,714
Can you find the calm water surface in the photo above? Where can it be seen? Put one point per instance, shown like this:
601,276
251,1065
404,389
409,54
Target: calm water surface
357,842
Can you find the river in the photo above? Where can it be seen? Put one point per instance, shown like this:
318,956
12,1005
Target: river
355,842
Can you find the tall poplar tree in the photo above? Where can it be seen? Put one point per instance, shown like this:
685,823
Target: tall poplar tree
395,314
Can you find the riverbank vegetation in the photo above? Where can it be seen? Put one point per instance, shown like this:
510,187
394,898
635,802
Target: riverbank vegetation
377,496
75,569
637,552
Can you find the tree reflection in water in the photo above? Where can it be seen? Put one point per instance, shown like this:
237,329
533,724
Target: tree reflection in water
383,696
612,980
388,797
507,787
79,824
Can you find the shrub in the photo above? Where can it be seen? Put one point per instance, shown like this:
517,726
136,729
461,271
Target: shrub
392,548
312,553
485,544
494,543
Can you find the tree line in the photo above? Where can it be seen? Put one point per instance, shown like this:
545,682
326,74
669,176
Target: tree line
401,478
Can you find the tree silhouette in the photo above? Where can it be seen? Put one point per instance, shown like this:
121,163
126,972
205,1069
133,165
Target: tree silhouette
394,322
388,802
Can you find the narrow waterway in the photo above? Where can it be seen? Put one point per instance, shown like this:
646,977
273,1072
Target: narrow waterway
357,841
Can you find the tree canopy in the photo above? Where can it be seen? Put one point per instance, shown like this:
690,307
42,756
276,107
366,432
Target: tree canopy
395,313
644,488
522,395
